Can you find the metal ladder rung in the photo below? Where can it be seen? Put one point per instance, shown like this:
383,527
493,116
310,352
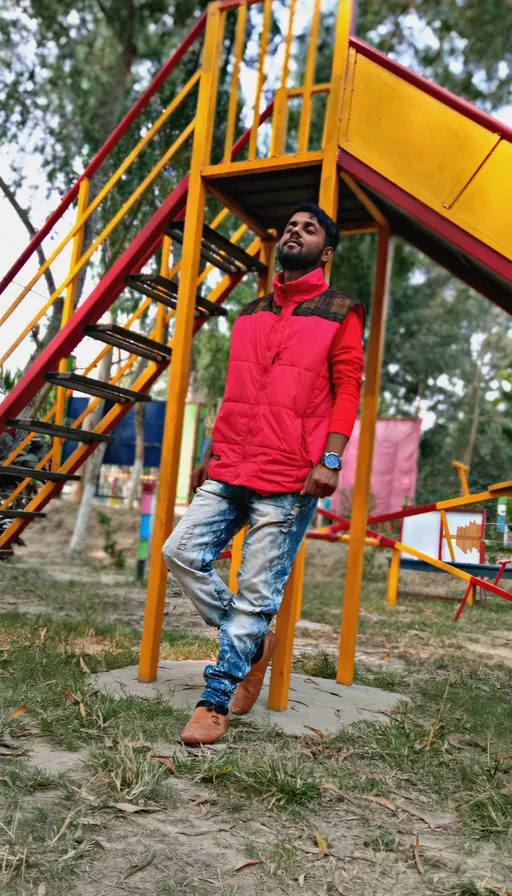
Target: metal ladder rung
89,386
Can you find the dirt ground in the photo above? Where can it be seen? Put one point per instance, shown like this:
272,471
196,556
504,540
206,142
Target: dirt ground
372,829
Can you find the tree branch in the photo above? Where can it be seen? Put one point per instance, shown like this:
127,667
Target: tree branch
25,219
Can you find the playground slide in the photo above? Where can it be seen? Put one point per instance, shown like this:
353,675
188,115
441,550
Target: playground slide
437,167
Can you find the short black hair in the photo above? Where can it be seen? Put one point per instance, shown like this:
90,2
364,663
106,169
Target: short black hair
330,227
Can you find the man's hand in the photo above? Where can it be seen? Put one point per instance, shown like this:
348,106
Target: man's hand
321,482
200,474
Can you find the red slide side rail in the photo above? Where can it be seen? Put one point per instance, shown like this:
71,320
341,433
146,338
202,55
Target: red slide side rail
107,148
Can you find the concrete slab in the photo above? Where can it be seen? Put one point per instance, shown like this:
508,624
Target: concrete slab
314,702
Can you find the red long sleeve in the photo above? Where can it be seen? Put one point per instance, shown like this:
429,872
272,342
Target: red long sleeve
346,361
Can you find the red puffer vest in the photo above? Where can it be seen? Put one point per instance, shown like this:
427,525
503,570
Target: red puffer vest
273,423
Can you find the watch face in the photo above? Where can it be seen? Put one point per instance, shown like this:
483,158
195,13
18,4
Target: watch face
332,461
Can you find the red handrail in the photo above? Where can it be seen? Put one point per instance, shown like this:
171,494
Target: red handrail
107,147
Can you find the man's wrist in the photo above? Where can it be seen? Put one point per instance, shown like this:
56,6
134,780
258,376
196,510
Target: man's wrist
332,461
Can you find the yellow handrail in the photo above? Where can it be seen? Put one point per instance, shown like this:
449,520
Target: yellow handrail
176,102
235,82
280,117
305,117
125,208
267,18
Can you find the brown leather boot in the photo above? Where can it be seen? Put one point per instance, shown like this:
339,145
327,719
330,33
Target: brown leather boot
249,689
204,727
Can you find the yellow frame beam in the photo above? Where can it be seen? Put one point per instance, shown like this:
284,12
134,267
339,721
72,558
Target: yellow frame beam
361,496
182,345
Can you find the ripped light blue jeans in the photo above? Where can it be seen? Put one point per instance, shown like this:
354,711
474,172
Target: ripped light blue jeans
278,524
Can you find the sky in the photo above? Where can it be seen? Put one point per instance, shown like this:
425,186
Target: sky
14,238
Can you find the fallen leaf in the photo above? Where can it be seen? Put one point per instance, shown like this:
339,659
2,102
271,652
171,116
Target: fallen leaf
301,879
222,771
168,762
17,712
380,800
82,710
417,859
130,808
72,698
315,731
332,787
134,869
43,634
507,789
321,842
84,666
247,865
431,736
386,656
4,779
41,890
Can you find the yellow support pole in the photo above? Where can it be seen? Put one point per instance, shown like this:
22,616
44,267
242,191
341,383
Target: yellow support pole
67,311
446,528
299,578
182,344
462,470
283,654
267,255
471,597
161,311
360,502
236,559
393,577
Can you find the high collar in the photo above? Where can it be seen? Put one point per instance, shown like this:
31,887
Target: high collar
307,287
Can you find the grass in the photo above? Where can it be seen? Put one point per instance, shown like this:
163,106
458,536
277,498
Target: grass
130,773
470,888
38,845
442,749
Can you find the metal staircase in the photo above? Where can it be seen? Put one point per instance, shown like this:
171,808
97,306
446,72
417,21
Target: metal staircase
157,293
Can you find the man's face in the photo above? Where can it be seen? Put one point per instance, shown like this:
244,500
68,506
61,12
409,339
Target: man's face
302,245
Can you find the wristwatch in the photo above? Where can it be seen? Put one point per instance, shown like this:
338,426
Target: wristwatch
332,461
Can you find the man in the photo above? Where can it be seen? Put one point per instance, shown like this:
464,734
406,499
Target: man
291,400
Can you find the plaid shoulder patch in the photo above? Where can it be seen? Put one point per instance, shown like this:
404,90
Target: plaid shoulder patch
330,305
265,303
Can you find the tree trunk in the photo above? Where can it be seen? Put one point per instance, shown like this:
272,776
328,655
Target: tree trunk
477,395
138,467
91,470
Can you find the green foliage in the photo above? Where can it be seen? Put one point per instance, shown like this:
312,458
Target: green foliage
116,554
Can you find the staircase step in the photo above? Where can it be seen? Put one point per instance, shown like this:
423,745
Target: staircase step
94,387
219,251
131,342
20,514
165,291
60,432
40,475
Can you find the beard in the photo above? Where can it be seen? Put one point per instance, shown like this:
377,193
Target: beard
297,259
